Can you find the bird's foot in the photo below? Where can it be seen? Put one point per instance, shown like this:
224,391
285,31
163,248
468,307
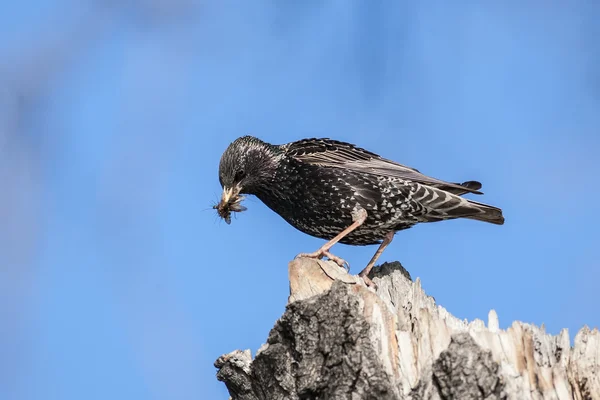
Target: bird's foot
338,260
317,254
325,253
367,280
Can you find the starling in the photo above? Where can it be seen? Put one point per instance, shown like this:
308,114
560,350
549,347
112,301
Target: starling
341,193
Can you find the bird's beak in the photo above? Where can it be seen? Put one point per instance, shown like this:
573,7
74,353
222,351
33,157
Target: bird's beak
230,201
228,194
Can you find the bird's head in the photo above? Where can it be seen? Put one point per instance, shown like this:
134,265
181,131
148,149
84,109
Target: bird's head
246,165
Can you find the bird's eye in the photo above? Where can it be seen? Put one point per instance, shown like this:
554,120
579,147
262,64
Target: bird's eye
239,175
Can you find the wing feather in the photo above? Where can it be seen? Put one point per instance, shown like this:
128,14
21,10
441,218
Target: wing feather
332,153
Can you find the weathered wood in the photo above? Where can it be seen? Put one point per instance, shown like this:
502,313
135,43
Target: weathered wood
339,339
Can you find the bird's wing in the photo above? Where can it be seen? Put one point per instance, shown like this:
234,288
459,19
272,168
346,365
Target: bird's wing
336,154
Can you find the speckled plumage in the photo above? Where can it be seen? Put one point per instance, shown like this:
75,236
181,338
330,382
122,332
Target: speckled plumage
319,201
319,186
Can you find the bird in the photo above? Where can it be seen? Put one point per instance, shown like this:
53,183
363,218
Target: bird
341,193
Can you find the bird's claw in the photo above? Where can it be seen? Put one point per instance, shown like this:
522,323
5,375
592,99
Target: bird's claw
319,254
368,280
338,260
316,254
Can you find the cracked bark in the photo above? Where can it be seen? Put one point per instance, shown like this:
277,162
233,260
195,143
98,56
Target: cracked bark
339,339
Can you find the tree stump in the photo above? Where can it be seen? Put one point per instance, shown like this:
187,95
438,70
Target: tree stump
339,339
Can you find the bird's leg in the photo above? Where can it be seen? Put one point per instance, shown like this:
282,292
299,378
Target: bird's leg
365,272
359,218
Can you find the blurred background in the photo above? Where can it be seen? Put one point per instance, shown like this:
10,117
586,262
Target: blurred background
118,280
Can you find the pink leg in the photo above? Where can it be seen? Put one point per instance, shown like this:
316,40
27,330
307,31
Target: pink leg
324,250
365,272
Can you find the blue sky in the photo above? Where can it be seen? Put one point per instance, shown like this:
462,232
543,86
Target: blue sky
117,280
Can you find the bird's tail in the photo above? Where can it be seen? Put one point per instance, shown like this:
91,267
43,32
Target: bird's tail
486,213
442,204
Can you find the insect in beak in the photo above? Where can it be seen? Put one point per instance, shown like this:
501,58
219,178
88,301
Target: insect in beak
230,202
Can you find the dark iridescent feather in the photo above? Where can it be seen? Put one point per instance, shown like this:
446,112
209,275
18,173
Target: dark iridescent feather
333,153
317,184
